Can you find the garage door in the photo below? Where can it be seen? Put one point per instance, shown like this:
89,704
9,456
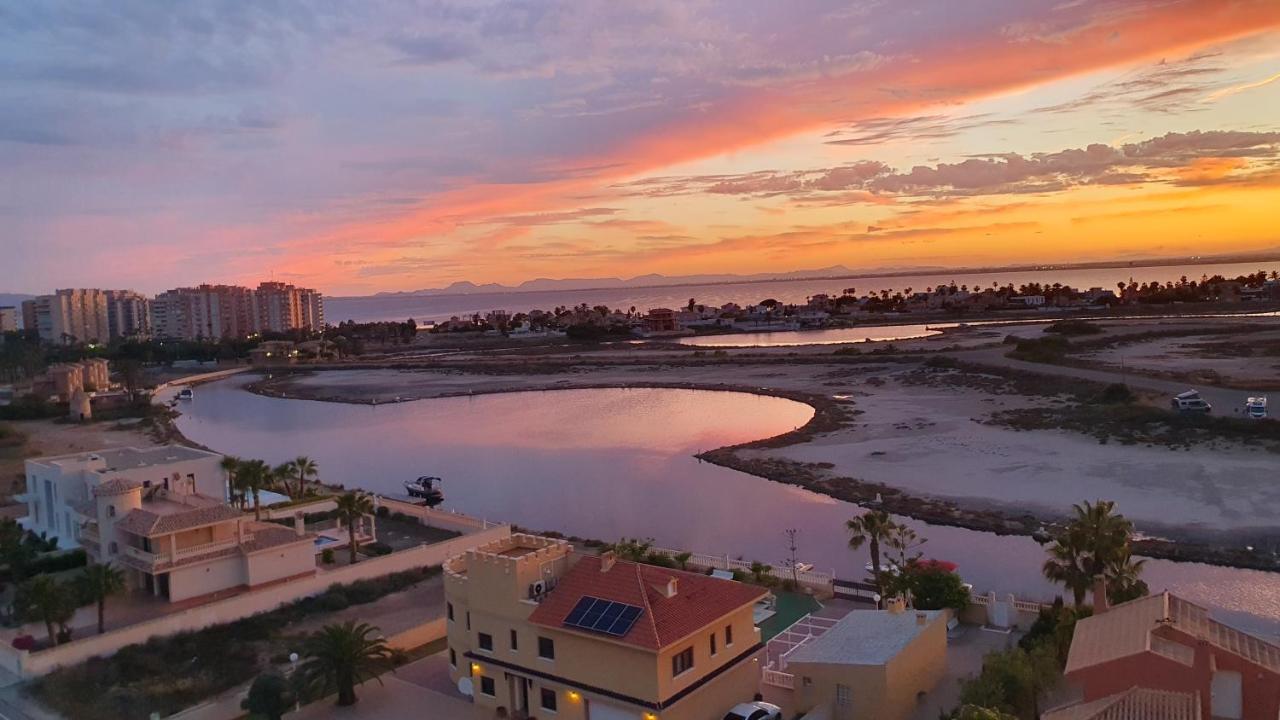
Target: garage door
605,711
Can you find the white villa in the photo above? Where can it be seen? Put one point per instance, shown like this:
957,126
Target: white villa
161,514
56,484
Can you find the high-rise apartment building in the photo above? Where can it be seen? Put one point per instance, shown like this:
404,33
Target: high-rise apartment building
8,319
227,311
128,314
68,316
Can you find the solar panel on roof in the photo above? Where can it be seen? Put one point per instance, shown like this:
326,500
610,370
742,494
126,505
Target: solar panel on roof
603,616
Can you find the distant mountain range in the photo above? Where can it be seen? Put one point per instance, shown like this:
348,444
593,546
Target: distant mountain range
651,280
825,273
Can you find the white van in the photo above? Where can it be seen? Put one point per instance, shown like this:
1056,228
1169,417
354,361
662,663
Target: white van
1190,402
1256,407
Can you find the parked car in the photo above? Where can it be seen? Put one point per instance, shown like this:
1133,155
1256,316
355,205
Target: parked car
1256,407
1190,402
757,710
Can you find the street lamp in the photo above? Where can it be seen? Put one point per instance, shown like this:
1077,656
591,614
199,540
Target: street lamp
293,676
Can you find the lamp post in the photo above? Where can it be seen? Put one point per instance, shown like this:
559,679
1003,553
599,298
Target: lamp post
293,676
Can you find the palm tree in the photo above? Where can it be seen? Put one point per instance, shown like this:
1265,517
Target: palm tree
43,599
759,571
253,477
100,581
1066,566
872,528
281,475
1093,547
351,508
230,464
306,468
339,657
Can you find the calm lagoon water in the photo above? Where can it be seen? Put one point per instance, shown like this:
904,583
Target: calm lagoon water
834,336
613,463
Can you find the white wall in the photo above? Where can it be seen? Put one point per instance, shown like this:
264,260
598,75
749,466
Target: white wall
282,562
28,664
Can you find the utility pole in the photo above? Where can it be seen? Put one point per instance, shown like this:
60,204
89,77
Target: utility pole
791,545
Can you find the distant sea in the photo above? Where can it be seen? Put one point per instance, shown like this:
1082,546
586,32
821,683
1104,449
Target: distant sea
426,307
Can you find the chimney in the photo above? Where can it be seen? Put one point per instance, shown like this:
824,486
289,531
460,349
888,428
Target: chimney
299,524
607,559
670,590
895,606
922,619
1099,596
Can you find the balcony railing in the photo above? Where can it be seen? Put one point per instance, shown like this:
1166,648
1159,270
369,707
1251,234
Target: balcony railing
159,559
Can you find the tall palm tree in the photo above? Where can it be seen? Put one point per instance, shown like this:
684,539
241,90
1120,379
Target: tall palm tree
254,476
230,464
351,508
280,477
1066,566
1093,547
871,529
98,582
306,468
339,657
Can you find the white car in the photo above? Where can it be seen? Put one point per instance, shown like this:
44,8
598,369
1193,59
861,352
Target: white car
1256,408
757,710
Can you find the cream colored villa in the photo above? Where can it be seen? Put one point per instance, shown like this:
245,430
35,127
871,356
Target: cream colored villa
536,630
177,544
161,515
56,484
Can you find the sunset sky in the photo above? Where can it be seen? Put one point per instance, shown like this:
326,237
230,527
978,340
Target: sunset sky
359,147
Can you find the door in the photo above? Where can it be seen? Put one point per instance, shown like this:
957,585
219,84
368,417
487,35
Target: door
605,711
1228,695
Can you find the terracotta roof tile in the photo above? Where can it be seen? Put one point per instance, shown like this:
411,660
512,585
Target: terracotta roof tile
699,600
116,486
148,524
1133,704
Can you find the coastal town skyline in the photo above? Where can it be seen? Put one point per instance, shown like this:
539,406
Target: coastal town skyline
675,140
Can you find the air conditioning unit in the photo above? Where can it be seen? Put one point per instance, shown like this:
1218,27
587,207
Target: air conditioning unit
538,589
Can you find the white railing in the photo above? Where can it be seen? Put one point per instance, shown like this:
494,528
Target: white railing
203,548
724,562
777,678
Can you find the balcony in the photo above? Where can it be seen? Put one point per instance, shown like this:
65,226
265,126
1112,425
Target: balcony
159,561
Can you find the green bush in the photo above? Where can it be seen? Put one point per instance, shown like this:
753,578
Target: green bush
383,511
334,600
1116,393
375,549
326,556
1049,349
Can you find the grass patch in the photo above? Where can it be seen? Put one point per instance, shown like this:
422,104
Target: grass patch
1141,424
168,674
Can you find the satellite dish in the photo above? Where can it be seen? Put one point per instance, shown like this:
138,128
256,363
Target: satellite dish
464,686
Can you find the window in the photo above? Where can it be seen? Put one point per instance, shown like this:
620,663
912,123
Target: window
548,699
728,635
486,642
515,641
486,686
468,619
453,658
682,661
546,648
713,644
842,694
113,547
448,610
111,511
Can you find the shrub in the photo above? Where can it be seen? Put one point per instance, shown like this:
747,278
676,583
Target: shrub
326,556
383,511
376,549
1116,393
941,362
24,642
1049,349
1073,327
334,600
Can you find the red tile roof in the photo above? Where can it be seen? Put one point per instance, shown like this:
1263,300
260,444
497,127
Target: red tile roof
699,600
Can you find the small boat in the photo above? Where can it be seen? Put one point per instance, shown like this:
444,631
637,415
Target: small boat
186,393
424,488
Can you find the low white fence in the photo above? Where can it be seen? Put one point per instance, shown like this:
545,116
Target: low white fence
819,581
27,664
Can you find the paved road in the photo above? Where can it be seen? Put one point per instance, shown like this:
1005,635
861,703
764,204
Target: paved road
1225,401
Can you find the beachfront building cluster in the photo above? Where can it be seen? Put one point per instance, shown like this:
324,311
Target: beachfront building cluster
8,319
90,315
537,630
229,311
162,515
1164,657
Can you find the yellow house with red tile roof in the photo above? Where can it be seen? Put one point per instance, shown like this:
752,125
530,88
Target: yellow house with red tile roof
537,630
